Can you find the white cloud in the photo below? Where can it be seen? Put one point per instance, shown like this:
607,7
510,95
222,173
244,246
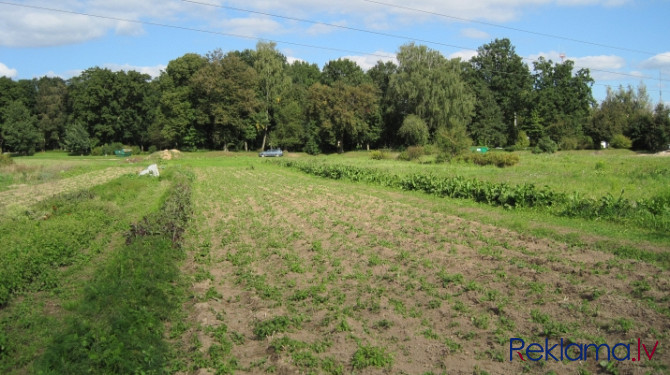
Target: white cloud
5,71
252,26
153,71
464,55
659,62
473,33
368,61
321,28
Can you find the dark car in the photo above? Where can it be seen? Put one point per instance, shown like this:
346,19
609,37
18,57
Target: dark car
271,153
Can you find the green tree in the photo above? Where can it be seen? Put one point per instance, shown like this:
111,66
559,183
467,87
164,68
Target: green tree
77,140
303,73
19,129
381,74
431,87
51,111
345,71
624,111
562,100
343,111
272,81
414,131
508,78
227,104
175,117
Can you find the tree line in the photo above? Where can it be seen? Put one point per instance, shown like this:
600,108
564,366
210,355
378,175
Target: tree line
251,99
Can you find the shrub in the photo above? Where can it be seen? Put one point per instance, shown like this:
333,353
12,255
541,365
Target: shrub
546,145
311,147
412,153
452,141
5,160
378,155
152,149
414,131
494,158
621,141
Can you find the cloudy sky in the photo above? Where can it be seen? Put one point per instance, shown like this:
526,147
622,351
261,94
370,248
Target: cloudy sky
622,42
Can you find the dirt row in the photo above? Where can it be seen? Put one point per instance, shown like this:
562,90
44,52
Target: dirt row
366,267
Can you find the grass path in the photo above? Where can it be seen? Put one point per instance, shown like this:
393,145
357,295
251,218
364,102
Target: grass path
297,274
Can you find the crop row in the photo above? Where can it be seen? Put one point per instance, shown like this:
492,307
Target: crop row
652,213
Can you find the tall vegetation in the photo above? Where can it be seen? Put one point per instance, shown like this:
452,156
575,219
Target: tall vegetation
255,99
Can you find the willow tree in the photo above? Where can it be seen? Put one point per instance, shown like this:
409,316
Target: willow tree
430,86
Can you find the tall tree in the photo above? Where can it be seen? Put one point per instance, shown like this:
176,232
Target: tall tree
50,108
343,70
303,73
560,99
272,80
381,74
174,124
227,101
19,129
507,77
343,112
619,113
431,87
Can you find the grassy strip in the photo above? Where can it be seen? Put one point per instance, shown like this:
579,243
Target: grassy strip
37,243
653,213
118,326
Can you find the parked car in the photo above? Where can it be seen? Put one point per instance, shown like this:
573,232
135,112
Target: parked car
271,153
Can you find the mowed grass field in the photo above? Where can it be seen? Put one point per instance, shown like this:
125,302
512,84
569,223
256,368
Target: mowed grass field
283,272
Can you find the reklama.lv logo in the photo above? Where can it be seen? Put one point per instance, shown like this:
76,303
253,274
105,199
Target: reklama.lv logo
578,352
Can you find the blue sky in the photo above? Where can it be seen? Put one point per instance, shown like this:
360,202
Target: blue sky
623,42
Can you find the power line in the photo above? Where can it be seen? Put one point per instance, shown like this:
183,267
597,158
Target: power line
510,28
416,39
194,29
281,41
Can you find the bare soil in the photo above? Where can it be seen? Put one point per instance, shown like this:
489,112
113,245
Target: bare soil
361,266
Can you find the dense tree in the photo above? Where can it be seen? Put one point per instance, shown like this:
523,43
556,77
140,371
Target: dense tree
487,127
19,130
381,74
50,108
227,101
77,140
272,81
431,87
618,113
343,112
174,121
561,100
414,131
507,77
345,71
303,73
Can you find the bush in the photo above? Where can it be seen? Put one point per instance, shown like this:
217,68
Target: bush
152,149
378,155
6,160
498,159
546,145
621,141
311,147
452,142
414,131
412,153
